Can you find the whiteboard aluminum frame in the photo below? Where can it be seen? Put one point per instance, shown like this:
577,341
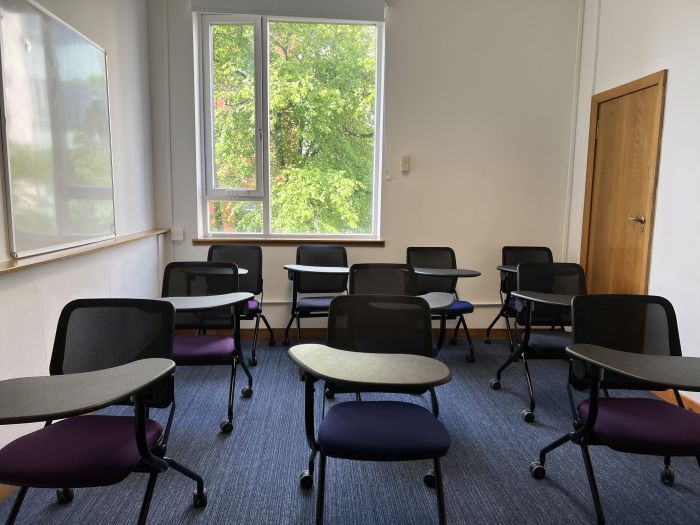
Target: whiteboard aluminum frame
6,159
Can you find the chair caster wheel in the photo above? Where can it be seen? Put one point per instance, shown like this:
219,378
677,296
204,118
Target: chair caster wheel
199,499
495,384
272,342
487,341
329,394
537,470
226,427
667,475
429,479
252,361
285,342
470,358
453,341
64,496
306,480
247,392
528,416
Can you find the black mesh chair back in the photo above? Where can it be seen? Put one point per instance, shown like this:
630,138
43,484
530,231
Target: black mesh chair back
640,324
94,334
321,255
514,255
554,278
244,256
388,324
382,278
428,257
193,279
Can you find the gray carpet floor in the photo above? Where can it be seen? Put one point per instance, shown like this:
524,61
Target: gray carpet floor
252,474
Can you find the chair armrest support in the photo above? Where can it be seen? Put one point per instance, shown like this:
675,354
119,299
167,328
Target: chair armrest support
309,423
580,435
147,456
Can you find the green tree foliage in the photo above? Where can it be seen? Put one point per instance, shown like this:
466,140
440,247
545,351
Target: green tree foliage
321,99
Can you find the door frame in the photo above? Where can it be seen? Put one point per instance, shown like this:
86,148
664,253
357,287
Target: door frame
658,78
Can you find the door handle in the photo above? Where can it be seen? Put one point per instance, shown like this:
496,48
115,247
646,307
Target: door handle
641,219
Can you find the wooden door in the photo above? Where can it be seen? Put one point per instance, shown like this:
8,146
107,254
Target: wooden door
623,159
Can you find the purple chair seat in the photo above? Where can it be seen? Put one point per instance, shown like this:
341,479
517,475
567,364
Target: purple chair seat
201,348
314,304
382,431
252,309
84,451
646,426
460,308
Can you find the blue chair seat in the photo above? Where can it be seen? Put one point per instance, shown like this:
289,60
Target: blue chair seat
460,308
84,451
314,304
547,342
382,431
199,348
646,426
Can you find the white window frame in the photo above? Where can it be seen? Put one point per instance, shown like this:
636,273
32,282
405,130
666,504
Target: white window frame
262,115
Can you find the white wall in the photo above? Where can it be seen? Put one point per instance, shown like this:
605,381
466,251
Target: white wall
625,40
31,299
480,93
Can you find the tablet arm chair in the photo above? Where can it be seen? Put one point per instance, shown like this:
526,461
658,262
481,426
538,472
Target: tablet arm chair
305,283
250,258
375,279
193,279
442,257
98,450
632,328
550,278
377,430
512,256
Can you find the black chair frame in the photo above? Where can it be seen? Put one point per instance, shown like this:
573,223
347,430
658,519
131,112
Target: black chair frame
229,253
237,358
584,376
508,284
298,286
442,315
153,460
431,479
525,351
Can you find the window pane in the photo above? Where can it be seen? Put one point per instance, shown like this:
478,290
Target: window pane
322,115
235,216
233,106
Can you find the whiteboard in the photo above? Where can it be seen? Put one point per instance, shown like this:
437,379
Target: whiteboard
57,154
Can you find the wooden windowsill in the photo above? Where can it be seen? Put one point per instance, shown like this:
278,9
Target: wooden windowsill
14,265
264,241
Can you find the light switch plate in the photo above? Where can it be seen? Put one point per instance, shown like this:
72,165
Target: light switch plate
177,234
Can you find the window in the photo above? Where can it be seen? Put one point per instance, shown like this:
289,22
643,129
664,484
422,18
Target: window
292,126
